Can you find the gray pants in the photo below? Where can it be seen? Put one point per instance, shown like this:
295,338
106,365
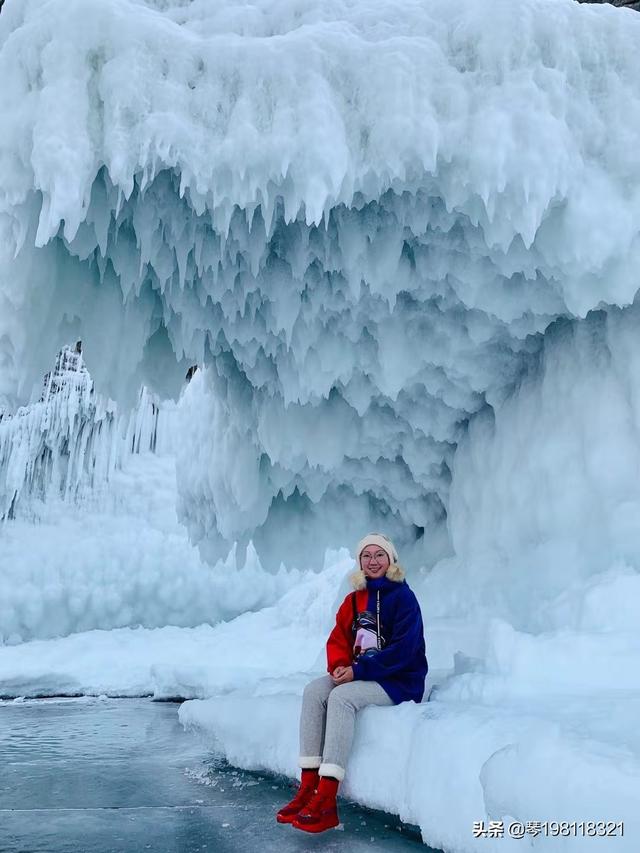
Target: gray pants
328,719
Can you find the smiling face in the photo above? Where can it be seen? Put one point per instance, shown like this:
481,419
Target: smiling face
374,561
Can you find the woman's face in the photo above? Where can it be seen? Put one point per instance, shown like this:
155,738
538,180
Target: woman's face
374,561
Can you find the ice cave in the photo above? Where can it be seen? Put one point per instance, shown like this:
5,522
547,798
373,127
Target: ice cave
395,244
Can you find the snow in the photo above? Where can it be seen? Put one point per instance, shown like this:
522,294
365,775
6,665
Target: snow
268,643
107,550
447,765
82,569
364,228
401,243
481,748
532,641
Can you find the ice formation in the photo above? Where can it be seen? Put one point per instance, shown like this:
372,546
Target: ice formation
89,537
402,241
546,491
362,218
68,444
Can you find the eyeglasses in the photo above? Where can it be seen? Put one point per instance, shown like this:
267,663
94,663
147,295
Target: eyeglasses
380,555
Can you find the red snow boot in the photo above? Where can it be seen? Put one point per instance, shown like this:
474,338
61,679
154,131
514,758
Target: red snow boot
321,812
307,789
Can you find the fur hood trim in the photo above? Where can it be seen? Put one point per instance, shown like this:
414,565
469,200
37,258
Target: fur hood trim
358,580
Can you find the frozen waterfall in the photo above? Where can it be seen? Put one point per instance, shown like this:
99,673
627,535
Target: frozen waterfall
362,220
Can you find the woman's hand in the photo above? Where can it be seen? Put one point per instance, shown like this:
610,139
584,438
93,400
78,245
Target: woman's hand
337,672
342,674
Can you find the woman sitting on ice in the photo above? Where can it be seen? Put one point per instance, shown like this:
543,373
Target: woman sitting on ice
376,656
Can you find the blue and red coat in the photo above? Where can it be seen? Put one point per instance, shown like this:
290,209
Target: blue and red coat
401,666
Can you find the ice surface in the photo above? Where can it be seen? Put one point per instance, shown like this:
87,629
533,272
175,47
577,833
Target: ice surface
480,749
513,705
362,217
102,775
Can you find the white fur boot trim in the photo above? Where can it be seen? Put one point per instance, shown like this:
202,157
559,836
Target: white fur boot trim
310,762
332,770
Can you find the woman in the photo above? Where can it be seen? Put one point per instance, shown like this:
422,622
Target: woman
375,656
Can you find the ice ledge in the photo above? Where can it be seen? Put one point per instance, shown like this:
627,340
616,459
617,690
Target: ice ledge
443,766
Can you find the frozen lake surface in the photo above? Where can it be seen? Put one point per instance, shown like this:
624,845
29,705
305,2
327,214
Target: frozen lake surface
108,776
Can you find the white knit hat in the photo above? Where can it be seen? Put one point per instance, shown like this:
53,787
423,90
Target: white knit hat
381,541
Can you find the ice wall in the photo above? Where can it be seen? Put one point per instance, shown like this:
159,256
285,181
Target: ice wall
362,218
546,492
